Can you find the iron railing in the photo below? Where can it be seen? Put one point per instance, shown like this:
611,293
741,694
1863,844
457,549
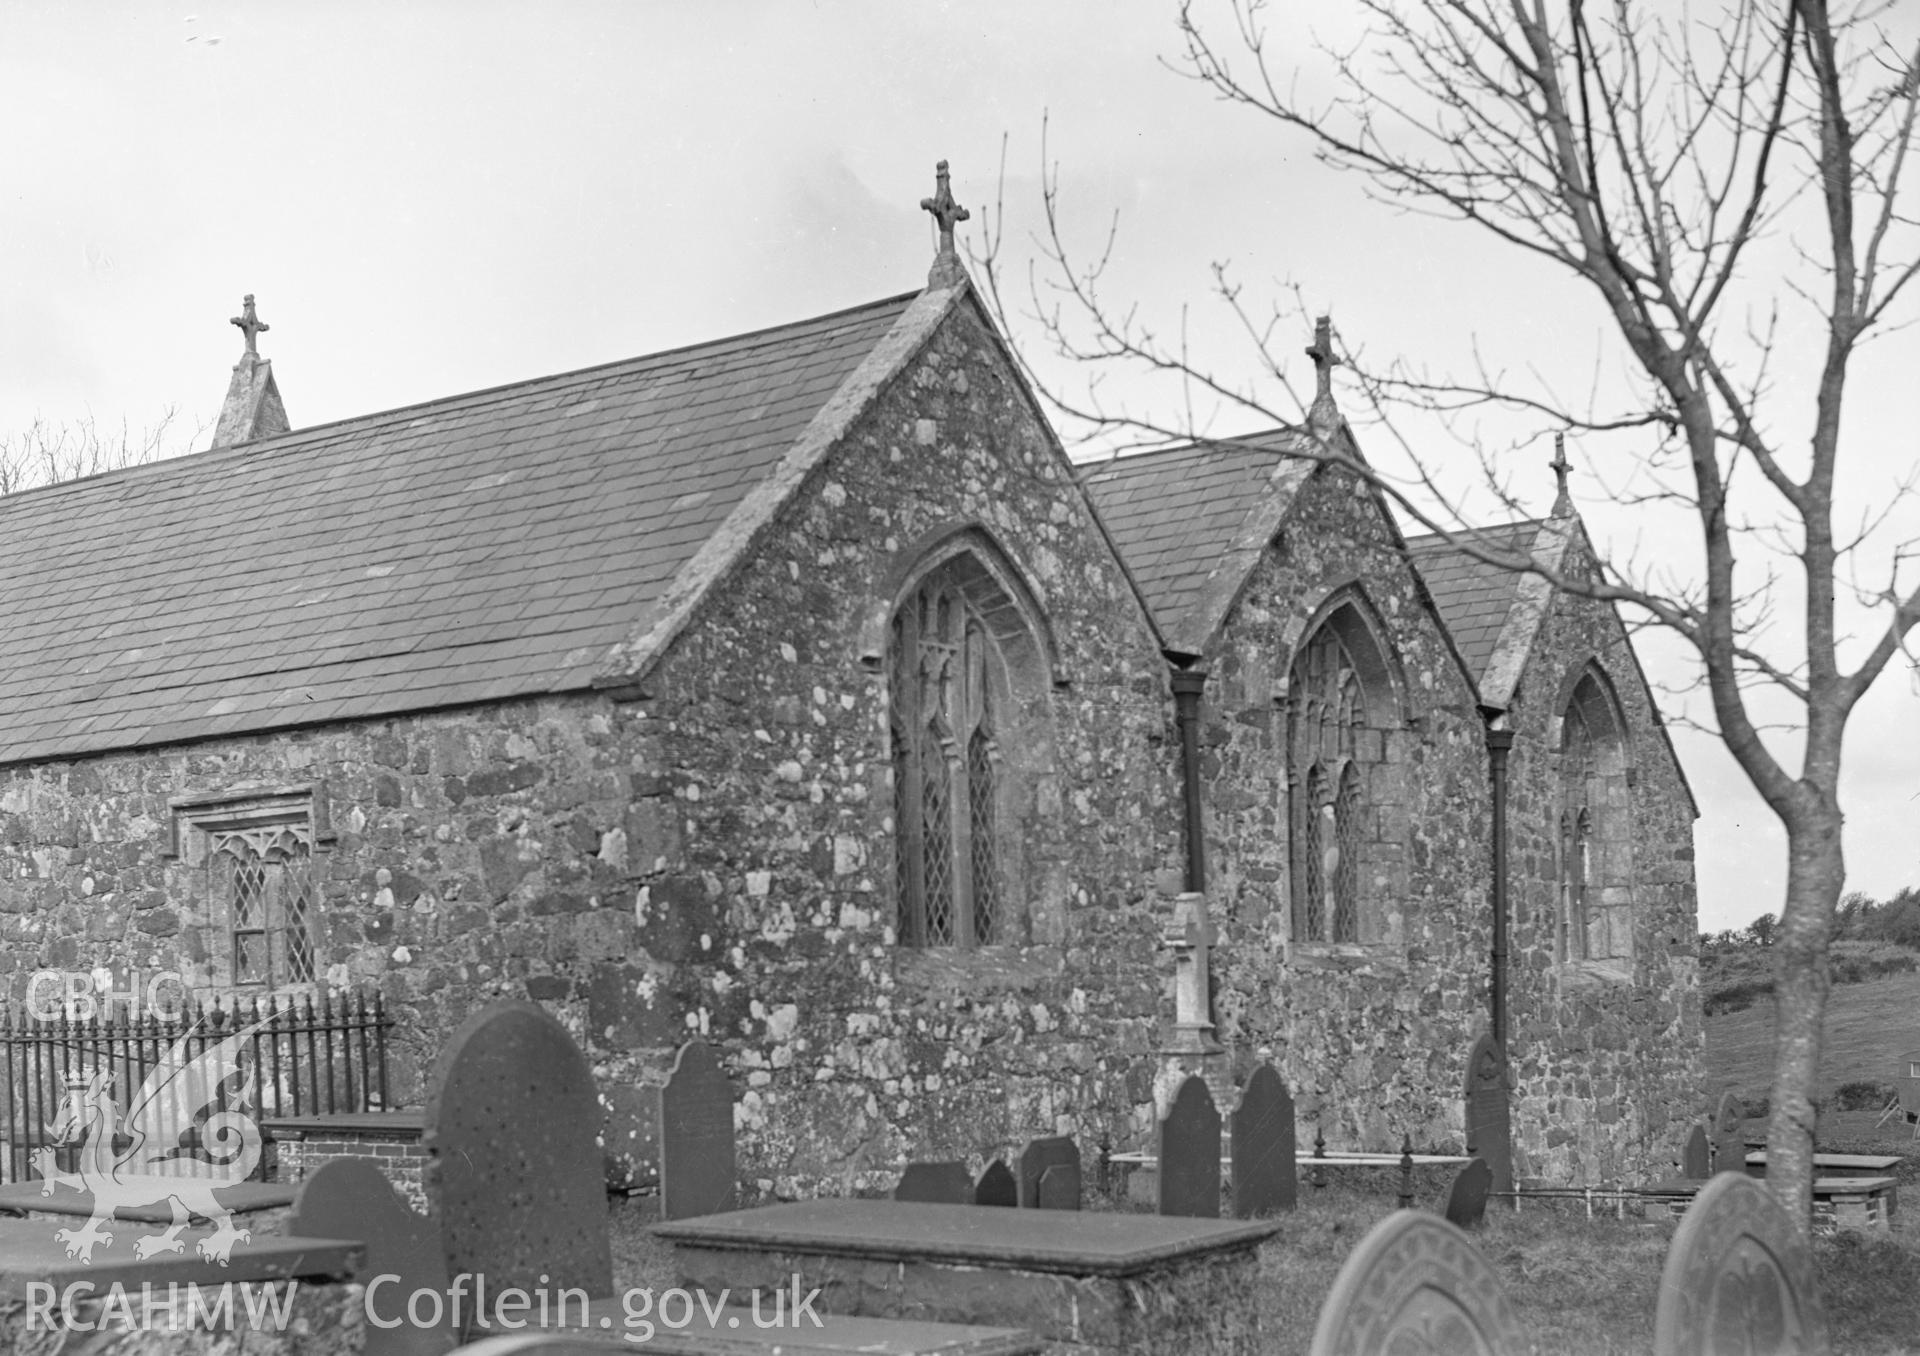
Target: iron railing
296,1057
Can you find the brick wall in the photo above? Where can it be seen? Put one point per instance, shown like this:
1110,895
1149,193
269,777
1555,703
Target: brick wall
400,1159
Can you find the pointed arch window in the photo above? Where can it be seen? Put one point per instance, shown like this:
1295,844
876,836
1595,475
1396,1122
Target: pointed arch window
1595,857
949,682
1327,768
1576,828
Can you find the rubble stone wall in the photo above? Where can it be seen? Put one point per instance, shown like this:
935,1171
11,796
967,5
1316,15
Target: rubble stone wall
1372,1036
714,858
1608,1053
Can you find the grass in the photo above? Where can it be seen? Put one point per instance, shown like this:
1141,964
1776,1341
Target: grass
1870,1026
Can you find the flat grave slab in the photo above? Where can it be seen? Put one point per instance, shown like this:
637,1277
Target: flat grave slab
1112,1283
242,1198
1838,1202
1835,1165
1866,1203
1098,1243
732,1331
29,1252
400,1124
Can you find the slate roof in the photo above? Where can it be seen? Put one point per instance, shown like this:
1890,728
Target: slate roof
1174,512
490,545
1474,598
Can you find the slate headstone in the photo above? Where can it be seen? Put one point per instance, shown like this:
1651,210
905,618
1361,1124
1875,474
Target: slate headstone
1489,1124
1190,1153
1729,1141
1738,1277
1467,1201
936,1184
513,1173
1696,1159
996,1185
697,1174
350,1198
1417,1284
1050,1151
1059,1188
1265,1177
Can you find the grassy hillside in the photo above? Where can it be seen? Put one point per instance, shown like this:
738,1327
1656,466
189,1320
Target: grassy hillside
1870,1026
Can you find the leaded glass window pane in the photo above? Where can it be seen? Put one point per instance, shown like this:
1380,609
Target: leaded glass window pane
1346,873
1312,852
936,817
980,806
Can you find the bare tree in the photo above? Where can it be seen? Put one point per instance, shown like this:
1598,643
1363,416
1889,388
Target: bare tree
1705,177
46,453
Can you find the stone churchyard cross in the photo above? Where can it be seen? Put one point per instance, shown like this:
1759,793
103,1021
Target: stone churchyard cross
946,263
251,325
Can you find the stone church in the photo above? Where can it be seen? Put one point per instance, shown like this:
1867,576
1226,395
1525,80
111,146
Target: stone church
796,691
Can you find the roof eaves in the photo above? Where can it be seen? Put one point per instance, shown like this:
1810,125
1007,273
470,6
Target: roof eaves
728,546
1532,598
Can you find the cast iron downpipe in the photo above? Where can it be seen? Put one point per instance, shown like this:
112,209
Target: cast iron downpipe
1498,743
1188,684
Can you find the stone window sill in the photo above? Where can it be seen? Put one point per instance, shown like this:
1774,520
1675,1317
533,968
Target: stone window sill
977,970
1346,956
1612,973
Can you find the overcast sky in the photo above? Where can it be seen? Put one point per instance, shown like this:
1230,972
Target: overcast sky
433,198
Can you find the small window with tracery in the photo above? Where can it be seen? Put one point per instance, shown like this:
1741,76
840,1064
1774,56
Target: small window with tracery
262,878
253,856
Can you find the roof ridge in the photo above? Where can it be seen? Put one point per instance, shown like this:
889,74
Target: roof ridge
1240,443
469,399
1440,538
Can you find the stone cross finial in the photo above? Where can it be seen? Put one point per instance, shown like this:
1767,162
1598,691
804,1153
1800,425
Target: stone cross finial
1324,416
946,263
1323,357
1563,501
251,325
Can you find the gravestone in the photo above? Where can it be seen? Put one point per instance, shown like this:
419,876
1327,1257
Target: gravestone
1696,1160
1050,1151
696,1136
1467,1201
1060,1188
1265,1176
1417,1284
350,1198
1190,1153
1738,1278
1729,1136
1489,1124
996,1186
513,1172
936,1184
